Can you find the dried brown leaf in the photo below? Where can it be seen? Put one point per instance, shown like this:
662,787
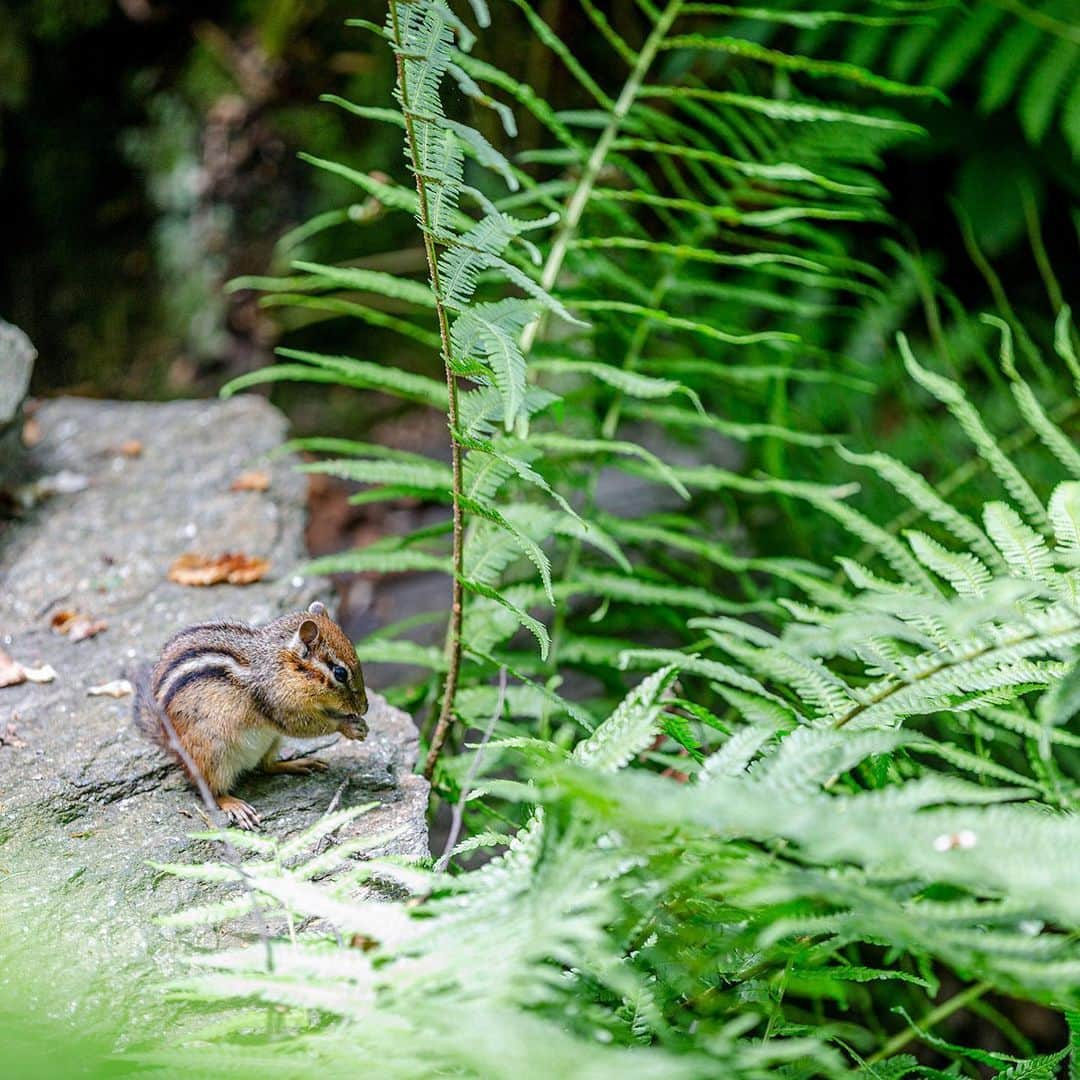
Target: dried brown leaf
11,671
256,480
130,448
232,567
247,570
76,625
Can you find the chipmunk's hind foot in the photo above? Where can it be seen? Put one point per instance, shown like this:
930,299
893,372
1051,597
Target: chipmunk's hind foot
239,812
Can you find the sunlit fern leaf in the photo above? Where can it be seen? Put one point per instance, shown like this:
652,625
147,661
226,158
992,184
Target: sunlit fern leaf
630,728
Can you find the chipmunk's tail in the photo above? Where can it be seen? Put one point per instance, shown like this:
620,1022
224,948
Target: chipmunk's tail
147,712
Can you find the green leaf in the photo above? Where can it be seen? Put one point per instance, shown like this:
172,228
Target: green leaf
628,382
802,64
391,651
375,281
362,374
534,626
381,562
490,332
430,476
630,728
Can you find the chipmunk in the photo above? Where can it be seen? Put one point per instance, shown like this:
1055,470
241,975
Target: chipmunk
229,692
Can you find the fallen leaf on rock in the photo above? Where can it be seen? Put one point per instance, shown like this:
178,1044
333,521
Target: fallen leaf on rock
130,448
12,673
76,626
10,737
232,567
257,480
45,673
117,688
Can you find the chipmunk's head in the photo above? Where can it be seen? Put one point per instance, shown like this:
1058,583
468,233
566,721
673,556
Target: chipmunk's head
327,659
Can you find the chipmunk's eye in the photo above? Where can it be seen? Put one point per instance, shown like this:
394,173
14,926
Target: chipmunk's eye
340,674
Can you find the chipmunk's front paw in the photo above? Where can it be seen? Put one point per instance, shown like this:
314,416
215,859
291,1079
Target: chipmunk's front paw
354,729
239,812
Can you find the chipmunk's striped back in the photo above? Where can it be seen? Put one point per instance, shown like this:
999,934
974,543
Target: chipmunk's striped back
209,651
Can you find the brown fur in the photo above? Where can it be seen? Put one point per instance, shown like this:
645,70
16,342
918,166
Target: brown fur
231,691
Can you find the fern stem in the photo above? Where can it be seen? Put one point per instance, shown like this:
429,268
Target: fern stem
995,646
575,208
931,1019
997,290
567,228
453,632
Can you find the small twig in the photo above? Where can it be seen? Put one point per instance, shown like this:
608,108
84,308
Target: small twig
312,748
325,842
335,802
457,816
219,821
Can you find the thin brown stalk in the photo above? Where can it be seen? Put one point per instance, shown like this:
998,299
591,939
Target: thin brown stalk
453,633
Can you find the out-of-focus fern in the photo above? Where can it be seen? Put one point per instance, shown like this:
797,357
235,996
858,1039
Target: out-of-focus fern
1024,55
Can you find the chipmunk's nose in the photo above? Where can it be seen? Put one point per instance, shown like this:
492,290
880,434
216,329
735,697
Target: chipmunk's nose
361,701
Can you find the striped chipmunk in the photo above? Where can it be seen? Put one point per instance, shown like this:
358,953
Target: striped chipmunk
229,692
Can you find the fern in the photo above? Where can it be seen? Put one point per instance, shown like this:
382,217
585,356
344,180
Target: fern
1021,55
757,809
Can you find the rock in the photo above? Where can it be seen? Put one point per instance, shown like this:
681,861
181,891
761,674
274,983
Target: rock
17,357
85,804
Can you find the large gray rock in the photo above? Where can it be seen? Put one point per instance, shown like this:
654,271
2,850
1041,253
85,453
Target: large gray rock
17,357
85,805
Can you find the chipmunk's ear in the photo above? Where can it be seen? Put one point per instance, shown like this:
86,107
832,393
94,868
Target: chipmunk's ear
307,633
317,607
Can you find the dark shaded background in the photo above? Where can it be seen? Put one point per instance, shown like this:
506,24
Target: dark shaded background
148,155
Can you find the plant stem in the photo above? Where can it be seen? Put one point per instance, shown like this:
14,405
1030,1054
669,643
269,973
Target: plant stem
580,199
931,1019
457,818
568,227
954,661
453,632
